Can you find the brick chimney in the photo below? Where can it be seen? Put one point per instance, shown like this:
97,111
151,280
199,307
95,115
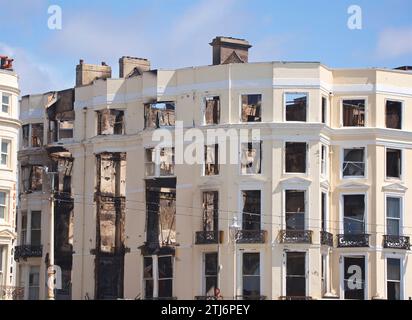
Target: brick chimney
87,73
130,66
230,50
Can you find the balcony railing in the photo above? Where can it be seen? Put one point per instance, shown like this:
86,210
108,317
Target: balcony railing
326,238
295,236
251,236
353,240
27,251
396,242
251,297
207,298
208,237
11,293
295,298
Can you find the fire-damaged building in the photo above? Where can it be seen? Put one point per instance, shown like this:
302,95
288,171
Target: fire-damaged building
320,193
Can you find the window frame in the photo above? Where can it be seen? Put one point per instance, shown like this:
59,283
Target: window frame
203,110
307,105
217,157
8,153
284,278
9,105
157,163
324,163
402,274
324,113
306,211
241,275
402,102
401,211
402,164
204,276
6,205
155,276
342,210
241,165
365,161
150,104
241,107
307,156
366,111
342,273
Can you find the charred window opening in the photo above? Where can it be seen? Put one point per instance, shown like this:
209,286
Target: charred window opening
324,109
110,203
251,108
37,135
251,157
295,157
353,113
354,214
61,115
211,269
158,277
211,110
394,114
25,135
110,122
159,114
296,105
393,163
295,274
159,162
251,210
211,166
210,211
352,265
62,181
295,209
251,275
32,178
354,162
161,212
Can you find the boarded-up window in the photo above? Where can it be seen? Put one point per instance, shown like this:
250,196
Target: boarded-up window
25,135
354,162
251,210
353,113
295,157
212,110
37,135
394,114
251,158
251,108
295,209
159,114
110,122
296,105
211,160
393,163
210,210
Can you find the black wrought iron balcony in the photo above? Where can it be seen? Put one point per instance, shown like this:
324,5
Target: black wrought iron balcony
208,237
396,242
295,298
251,297
11,293
295,236
353,240
326,238
251,236
27,251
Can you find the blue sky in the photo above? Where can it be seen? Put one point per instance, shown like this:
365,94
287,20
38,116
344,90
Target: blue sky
174,33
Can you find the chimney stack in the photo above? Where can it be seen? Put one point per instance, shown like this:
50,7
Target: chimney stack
87,73
131,66
230,50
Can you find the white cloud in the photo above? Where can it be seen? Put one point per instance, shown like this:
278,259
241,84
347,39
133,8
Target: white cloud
394,43
34,77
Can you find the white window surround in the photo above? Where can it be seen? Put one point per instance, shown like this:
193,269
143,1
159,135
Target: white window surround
403,168
401,214
284,267
402,270
307,215
250,187
402,113
341,111
6,205
307,105
341,209
239,268
324,163
8,153
342,159
342,272
307,172
9,105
